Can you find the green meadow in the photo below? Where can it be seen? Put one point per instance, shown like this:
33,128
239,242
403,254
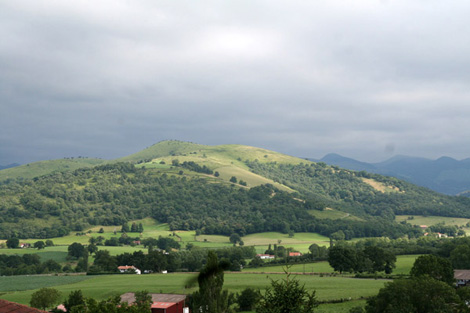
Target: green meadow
101,287
432,220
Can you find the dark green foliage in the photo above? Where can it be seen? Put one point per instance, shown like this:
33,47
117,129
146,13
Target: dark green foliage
13,243
39,245
433,266
235,238
44,298
27,264
342,258
76,250
247,299
125,228
347,258
193,166
422,295
286,296
233,179
75,298
318,252
460,257
167,243
210,298
116,193
49,243
344,189
104,262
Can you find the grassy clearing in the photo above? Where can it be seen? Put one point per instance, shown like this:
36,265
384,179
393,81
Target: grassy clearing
333,214
20,283
404,264
317,267
154,229
432,220
101,287
46,167
300,241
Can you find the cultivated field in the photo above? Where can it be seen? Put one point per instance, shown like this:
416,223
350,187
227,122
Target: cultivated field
101,287
433,220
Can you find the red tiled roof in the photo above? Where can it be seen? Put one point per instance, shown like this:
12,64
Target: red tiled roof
12,307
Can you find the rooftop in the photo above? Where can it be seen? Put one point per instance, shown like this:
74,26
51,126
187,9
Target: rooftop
12,307
156,298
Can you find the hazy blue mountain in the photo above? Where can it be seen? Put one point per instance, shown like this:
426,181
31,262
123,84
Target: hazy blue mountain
445,175
3,167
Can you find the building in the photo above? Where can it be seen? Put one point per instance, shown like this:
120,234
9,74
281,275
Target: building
12,307
295,254
265,256
126,268
462,277
161,302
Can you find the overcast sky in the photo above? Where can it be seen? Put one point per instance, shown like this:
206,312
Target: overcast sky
363,78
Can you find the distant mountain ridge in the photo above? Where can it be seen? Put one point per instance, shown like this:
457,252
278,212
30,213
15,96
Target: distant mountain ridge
2,167
445,175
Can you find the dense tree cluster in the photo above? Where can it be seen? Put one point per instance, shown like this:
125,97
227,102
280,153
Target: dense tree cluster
371,259
115,193
27,264
345,189
157,261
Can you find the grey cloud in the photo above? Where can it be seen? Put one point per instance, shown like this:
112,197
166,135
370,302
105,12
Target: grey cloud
306,78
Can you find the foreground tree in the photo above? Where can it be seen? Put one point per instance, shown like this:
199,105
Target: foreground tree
421,295
44,298
287,296
210,298
433,266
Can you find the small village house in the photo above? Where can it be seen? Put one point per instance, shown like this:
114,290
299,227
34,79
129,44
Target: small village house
265,256
129,269
462,277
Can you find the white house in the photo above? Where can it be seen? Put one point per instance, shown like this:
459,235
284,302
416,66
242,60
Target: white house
124,269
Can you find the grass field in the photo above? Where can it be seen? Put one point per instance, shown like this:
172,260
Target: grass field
432,220
101,287
333,214
154,229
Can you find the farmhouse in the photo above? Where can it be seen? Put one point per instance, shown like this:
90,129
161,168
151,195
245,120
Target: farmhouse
161,303
130,269
462,277
265,256
12,307
295,254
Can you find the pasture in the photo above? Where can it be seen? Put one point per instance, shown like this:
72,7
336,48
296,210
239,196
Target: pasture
432,220
101,287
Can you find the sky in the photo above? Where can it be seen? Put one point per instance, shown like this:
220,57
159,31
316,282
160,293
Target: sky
363,78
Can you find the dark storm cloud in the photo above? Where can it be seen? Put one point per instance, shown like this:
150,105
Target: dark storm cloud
361,78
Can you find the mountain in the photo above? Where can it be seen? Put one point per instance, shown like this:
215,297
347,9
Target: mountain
215,190
445,175
2,167
36,169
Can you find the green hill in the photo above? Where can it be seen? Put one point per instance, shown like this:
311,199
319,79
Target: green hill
41,168
213,190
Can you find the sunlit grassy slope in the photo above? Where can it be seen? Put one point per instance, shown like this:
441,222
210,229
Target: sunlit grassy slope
228,160
40,168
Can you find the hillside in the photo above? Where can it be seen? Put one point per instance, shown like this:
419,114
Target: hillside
445,175
36,169
215,190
